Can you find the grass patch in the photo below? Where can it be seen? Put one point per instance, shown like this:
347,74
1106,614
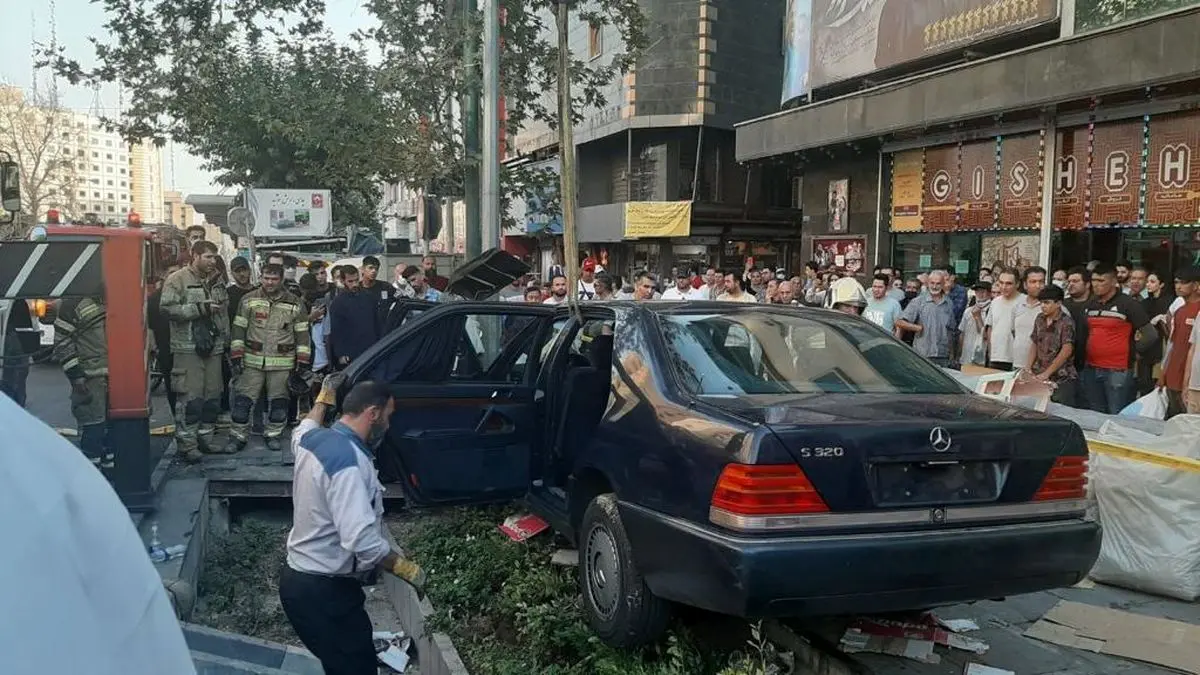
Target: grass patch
239,589
511,612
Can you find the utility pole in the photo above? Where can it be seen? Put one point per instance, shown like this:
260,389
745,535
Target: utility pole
490,206
470,111
566,150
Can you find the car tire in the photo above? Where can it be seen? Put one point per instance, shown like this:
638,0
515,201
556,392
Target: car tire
618,605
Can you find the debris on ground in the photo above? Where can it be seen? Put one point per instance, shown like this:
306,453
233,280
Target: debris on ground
522,527
912,639
566,557
1163,642
980,669
391,648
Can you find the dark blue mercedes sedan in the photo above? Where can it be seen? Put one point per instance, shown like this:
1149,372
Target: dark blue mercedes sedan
753,460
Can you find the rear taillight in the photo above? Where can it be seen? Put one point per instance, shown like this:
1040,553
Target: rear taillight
1067,480
766,490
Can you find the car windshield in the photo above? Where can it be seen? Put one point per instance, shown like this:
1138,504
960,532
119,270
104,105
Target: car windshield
751,353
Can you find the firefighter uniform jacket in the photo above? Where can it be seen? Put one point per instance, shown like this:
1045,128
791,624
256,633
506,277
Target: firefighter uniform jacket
184,295
271,333
80,340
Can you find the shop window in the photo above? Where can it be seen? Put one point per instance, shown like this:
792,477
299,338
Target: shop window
916,253
595,41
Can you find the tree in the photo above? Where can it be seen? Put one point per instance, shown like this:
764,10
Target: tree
257,89
1091,14
36,131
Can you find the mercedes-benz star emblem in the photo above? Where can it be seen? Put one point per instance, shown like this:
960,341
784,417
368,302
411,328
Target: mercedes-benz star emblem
939,438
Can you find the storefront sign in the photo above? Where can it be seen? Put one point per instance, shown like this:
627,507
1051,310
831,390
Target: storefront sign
977,185
852,38
1173,171
657,219
939,206
839,203
1009,251
907,168
298,214
1020,182
851,251
1070,179
1116,173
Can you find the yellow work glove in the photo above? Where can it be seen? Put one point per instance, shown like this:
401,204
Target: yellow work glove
329,388
410,572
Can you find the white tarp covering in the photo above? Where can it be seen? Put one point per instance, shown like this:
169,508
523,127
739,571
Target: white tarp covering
1150,513
78,594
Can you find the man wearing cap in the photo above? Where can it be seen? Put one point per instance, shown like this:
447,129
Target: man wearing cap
1050,360
587,280
682,290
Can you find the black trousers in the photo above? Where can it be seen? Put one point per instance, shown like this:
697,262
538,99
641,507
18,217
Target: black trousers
329,617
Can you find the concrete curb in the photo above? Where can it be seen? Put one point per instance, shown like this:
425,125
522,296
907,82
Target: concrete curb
219,648
436,654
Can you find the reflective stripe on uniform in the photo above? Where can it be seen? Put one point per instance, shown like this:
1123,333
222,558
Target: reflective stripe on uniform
64,326
302,327
71,363
259,361
240,321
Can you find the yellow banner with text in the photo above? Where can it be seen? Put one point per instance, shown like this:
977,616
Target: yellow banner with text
657,219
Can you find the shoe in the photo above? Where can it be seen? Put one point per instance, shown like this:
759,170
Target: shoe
233,446
224,421
274,444
191,456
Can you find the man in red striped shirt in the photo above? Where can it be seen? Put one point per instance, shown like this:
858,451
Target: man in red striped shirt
1117,328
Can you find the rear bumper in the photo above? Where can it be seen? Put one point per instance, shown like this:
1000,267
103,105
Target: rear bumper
823,575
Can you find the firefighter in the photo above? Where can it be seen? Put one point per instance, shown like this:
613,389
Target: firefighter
80,345
270,342
196,305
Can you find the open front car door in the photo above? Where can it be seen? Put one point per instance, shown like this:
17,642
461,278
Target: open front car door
463,377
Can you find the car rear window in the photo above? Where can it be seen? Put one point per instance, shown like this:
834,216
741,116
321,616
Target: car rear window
785,353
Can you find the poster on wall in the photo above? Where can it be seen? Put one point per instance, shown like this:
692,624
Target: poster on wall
907,178
1069,178
851,38
850,251
1020,182
939,206
797,49
1116,173
977,185
839,204
301,214
1009,251
1172,174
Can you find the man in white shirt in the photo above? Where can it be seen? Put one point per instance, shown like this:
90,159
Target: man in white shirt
337,544
999,327
558,290
970,329
682,290
1025,315
587,280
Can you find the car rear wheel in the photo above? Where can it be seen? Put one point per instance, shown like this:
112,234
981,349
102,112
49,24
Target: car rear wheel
619,606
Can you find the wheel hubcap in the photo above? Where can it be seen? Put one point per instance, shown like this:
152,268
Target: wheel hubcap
602,568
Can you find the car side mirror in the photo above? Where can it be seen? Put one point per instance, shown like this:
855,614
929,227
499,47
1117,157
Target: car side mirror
10,189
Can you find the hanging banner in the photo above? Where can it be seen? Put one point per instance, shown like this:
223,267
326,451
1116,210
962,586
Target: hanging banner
1116,173
1173,175
1070,179
797,49
298,214
977,185
907,181
657,219
939,204
1009,251
1020,182
839,204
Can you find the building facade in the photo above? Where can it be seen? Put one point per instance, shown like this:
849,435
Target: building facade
1066,133
177,212
665,134
145,162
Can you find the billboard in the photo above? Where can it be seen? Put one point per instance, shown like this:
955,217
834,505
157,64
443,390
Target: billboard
294,214
1172,174
1116,173
797,47
907,180
1020,182
851,38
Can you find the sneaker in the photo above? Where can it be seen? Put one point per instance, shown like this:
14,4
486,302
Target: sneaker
274,444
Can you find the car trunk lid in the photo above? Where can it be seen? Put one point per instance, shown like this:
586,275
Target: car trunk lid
872,452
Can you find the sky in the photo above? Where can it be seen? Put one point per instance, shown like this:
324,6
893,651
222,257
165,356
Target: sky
25,24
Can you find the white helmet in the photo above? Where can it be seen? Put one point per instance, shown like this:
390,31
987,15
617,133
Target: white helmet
846,291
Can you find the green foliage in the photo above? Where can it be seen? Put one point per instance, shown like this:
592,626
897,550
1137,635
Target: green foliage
510,612
239,586
1091,14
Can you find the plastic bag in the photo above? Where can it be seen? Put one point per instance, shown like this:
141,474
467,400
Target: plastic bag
1150,513
1152,405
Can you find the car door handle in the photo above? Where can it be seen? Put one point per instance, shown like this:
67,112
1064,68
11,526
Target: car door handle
501,393
494,422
